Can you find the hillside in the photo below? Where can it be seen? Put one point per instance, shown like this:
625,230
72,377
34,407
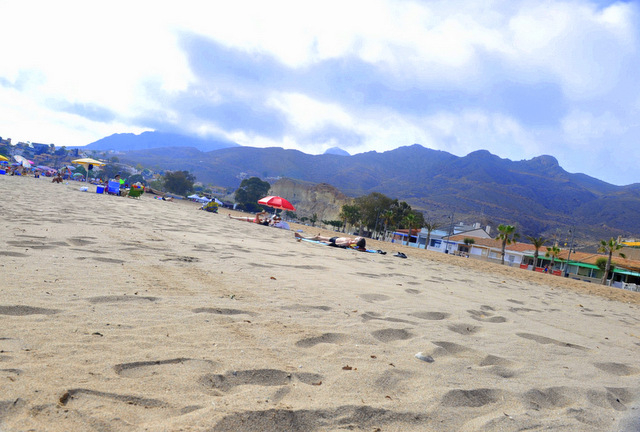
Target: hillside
537,194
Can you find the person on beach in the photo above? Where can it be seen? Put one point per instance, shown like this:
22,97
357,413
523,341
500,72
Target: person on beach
257,219
274,220
358,243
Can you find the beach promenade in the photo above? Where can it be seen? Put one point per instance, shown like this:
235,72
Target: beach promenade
120,314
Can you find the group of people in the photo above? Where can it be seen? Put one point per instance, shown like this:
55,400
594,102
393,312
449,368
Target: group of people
357,243
18,170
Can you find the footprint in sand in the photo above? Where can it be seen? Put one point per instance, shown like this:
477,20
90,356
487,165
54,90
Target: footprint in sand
21,310
73,394
259,377
612,397
30,244
464,329
306,308
368,316
121,299
498,366
222,311
187,259
521,309
12,407
431,316
333,338
493,360
549,398
374,297
108,260
486,316
453,348
308,267
391,334
619,369
339,418
81,241
488,363
12,254
545,340
261,265
392,379
159,367
472,398
96,407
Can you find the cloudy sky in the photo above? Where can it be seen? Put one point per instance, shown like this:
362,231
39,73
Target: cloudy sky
518,78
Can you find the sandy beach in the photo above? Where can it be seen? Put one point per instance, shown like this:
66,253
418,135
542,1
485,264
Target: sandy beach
120,314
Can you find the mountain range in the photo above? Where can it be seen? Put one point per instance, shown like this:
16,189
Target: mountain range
149,140
538,195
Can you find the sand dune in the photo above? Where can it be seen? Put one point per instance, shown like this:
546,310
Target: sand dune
119,314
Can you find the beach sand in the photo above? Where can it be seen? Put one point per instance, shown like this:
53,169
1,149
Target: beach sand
120,314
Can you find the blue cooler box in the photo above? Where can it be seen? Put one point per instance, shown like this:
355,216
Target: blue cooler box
2,172
100,189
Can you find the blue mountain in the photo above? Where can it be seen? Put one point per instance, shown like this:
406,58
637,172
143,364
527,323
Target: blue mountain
151,140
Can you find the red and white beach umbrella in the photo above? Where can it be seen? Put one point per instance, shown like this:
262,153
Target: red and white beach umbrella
277,203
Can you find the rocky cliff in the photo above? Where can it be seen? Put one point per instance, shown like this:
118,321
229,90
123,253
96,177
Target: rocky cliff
322,199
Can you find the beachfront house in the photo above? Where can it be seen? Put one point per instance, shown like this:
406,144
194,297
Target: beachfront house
439,238
582,266
579,265
450,244
488,249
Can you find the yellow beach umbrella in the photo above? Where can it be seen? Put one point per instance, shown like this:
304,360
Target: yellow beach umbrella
87,163
3,158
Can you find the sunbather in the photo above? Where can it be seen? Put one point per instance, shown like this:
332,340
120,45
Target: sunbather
358,243
257,219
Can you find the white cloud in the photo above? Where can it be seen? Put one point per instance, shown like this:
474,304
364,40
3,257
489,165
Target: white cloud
306,114
470,130
573,42
580,127
92,52
30,121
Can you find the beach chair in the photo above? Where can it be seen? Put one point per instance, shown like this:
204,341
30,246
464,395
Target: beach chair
135,192
113,188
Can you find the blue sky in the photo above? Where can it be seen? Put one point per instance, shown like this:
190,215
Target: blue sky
517,78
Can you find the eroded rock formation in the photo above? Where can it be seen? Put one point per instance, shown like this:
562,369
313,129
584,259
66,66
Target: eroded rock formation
308,198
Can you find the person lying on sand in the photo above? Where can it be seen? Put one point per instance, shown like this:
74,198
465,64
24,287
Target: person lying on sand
358,243
257,219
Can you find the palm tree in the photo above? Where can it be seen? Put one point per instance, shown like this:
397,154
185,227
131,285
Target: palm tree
537,243
430,226
553,252
468,242
609,247
387,218
350,214
508,235
410,219
601,263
